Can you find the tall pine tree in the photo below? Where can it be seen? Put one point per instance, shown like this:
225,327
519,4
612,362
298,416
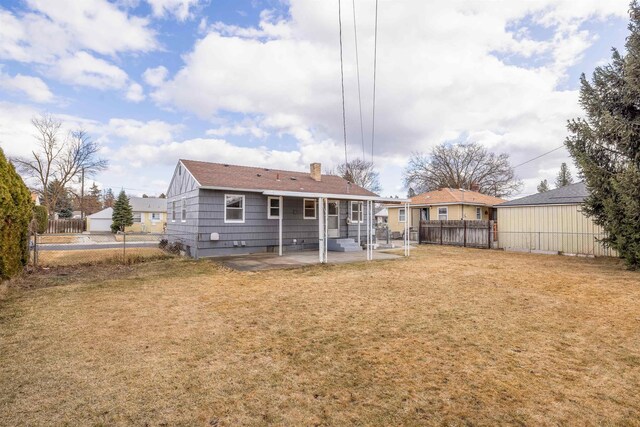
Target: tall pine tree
543,186
122,213
606,145
564,177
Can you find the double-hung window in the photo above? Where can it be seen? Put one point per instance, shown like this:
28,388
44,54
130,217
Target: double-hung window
155,216
356,212
183,214
402,215
443,214
173,211
234,208
309,210
478,213
273,207
137,217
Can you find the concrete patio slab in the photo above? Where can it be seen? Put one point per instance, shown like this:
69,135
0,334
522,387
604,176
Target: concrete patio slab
260,262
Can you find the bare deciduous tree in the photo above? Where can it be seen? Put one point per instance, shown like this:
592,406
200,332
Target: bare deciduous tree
58,158
467,166
360,172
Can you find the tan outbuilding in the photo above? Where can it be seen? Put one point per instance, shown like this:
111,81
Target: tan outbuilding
550,222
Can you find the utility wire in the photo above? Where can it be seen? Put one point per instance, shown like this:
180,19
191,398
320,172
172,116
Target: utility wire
375,60
355,33
344,115
537,157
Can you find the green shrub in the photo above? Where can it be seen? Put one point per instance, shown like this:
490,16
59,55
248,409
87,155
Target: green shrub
15,214
41,216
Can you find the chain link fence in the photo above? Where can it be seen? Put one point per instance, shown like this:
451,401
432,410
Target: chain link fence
73,249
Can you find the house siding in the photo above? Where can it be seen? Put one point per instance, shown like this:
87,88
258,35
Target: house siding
259,233
455,212
183,186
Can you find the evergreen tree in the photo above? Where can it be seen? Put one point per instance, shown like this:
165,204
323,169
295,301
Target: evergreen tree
108,198
93,200
606,145
564,177
411,192
15,215
122,213
60,196
543,186
163,196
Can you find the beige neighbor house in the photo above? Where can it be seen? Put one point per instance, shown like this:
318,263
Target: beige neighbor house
550,222
149,216
443,204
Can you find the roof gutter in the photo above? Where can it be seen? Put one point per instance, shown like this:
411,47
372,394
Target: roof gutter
331,196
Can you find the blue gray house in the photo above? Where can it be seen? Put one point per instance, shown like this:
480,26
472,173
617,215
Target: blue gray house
217,209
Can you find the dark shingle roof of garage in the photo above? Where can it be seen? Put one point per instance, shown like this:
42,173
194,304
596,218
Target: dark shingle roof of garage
570,194
267,179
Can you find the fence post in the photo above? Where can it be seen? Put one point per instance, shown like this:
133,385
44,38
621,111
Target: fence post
35,249
464,226
441,222
124,248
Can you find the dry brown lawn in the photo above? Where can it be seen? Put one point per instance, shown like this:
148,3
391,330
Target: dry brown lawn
67,258
450,336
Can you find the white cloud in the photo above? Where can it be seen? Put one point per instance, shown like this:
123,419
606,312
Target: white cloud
85,69
441,73
239,130
138,132
135,93
54,28
35,89
155,76
181,9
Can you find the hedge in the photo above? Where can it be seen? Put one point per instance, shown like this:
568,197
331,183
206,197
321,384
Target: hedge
16,210
41,216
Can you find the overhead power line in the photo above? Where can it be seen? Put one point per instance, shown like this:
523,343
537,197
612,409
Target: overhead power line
375,61
355,33
537,157
344,114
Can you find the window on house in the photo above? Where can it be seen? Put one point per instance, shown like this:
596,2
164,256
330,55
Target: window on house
234,208
173,210
356,211
183,214
309,208
478,213
443,214
402,215
137,217
155,216
273,206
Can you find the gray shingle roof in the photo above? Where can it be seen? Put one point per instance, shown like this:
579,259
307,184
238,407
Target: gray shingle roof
148,204
574,193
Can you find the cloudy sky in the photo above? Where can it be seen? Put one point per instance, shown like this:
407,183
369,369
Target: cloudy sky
258,82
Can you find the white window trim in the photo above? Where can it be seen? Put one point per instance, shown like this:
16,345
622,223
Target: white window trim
405,215
173,211
233,221
361,216
269,199
315,209
183,210
479,213
446,209
159,216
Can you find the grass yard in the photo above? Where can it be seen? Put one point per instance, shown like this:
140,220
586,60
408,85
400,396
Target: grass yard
450,336
68,258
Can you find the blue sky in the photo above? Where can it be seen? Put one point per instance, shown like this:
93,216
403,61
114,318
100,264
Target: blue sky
258,83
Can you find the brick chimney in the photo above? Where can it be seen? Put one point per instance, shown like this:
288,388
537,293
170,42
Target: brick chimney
474,187
315,171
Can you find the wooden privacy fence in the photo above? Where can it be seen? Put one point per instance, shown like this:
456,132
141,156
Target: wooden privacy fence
67,226
475,234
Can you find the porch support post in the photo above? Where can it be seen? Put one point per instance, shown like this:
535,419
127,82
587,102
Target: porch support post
407,232
321,235
326,230
281,214
370,245
360,218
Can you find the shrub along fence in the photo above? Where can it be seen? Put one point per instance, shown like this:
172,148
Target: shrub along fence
475,234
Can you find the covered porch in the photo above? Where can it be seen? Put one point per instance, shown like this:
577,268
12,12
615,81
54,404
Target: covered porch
338,231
